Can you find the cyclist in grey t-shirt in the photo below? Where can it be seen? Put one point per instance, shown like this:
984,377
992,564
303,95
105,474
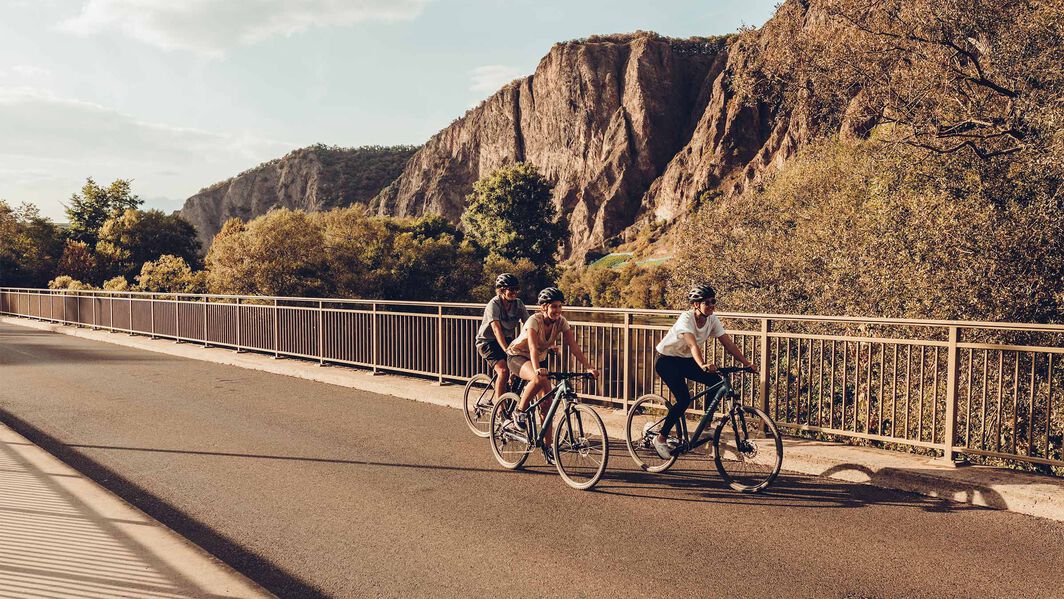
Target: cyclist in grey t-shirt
502,321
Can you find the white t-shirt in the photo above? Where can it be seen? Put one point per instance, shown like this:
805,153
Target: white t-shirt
674,345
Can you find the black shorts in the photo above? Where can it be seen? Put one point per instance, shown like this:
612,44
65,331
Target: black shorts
491,351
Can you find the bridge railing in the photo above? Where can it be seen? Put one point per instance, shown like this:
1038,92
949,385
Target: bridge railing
977,388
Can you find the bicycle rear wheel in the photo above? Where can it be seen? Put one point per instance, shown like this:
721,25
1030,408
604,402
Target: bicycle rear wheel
509,444
581,446
748,449
645,418
478,399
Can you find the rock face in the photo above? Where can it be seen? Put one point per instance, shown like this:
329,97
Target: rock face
600,118
311,179
628,128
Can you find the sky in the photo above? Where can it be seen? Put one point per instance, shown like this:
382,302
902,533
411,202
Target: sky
177,95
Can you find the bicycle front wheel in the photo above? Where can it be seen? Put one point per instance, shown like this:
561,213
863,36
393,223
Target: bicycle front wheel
748,449
581,447
478,399
645,418
509,444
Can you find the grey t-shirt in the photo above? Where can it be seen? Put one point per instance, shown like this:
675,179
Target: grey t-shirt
509,319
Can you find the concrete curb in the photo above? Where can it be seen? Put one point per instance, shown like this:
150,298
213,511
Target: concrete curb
998,488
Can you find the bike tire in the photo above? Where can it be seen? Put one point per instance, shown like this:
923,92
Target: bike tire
506,444
476,406
750,464
650,410
581,447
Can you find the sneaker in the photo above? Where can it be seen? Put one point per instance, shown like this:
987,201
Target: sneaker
548,454
520,420
663,449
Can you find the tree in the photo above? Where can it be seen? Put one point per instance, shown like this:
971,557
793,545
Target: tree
279,253
975,76
169,274
79,261
30,246
130,239
68,282
88,211
511,215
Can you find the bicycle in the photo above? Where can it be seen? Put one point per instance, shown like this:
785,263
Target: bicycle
580,448
478,399
747,447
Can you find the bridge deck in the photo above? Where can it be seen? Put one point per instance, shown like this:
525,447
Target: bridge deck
312,488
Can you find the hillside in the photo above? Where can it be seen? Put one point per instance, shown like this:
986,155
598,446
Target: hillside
312,179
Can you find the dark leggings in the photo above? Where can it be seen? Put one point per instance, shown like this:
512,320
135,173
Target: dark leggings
675,372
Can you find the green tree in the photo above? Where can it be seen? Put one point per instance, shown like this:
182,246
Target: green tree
510,214
279,253
169,274
68,282
89,210
79,261
30,246
130,239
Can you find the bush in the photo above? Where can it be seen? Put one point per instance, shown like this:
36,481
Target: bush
858,228
170,274
67,282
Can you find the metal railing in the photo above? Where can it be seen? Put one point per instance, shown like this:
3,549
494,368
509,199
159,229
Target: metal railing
975,388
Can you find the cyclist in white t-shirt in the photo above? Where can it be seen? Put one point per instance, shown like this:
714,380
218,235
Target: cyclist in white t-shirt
680,357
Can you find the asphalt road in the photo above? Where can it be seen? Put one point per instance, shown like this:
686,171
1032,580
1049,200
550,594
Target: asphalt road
315,490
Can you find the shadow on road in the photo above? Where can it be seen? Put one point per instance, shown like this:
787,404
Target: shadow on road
37,347
266,573
695,479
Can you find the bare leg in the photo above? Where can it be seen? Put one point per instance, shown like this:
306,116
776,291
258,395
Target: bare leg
502,378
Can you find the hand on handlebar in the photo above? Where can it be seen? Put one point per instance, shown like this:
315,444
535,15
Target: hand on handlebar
593,372
709,367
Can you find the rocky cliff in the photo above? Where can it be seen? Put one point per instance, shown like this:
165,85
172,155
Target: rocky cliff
311,179
629,128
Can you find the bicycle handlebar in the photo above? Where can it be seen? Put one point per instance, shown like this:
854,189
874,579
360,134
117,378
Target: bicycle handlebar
568,375
735,369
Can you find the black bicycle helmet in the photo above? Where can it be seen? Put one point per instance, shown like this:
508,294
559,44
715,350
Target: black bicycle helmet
551,294
506,280
700,293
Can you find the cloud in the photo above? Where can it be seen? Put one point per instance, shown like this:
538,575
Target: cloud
36,123
489,78
50,144
211,27
30,71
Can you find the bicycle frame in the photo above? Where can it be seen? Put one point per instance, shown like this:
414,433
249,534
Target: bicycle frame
720,391
564,395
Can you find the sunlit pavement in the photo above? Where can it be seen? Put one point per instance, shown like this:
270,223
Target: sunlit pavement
61,535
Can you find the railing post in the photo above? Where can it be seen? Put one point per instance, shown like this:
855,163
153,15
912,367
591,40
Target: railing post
129,298
321,333
276,332
950,422
238,317
77,303
439,344
373,328
92,303
177,319
151,305
763,375
626,381
40,308
111,309
205,329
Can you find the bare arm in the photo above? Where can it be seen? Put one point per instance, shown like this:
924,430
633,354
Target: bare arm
496,327
734,350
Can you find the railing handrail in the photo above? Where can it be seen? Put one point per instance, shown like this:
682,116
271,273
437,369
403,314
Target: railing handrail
859,320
